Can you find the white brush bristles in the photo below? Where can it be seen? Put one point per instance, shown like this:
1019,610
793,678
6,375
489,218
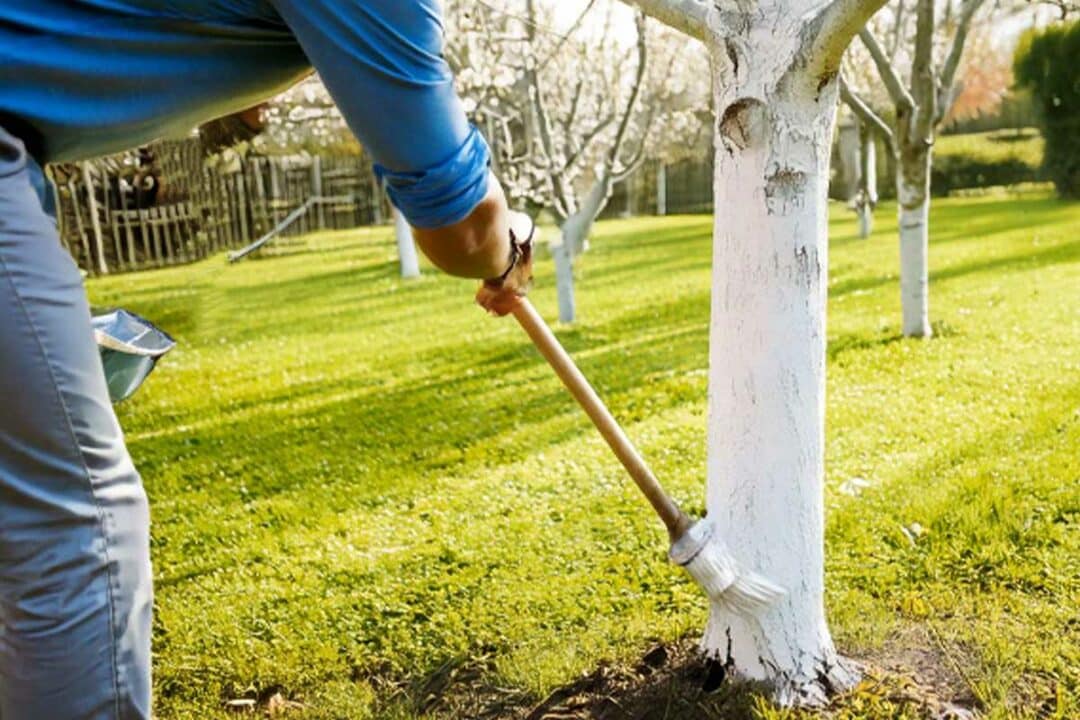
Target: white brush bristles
711,564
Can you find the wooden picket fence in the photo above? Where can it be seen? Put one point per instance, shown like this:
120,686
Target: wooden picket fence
173,204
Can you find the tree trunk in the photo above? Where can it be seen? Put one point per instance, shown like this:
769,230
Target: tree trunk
410,264
575,240
868,194
767,374
564,280
578,226
850,161
913,195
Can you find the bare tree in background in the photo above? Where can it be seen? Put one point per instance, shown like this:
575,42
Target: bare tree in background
304,118
917,67
570,114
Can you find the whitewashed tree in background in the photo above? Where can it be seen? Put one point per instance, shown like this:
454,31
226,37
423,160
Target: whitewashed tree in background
918,70
775,92
855,171
866,197
571,113
406,246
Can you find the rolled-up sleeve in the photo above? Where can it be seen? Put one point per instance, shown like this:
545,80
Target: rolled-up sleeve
382,62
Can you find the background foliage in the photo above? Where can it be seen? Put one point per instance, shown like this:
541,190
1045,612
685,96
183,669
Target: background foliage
1048,63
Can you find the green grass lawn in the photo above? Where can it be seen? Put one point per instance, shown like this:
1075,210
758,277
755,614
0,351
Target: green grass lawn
361,484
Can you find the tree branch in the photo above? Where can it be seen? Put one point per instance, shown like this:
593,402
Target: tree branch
687,16
867,115
587,140
946,83
898,29
540,110
923,83
635,92
566,36
834,29
899,94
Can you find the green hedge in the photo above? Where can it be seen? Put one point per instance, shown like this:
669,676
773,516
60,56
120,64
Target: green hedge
977,160
1047,62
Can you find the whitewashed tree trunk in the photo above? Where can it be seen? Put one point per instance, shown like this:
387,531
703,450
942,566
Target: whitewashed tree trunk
410,263
775,86
564,281
767,377
913,196
867,181
575,240
577,227
866,220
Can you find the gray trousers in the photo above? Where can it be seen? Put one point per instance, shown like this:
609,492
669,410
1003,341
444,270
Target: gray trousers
75,581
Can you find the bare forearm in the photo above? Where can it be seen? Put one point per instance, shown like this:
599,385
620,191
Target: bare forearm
476,247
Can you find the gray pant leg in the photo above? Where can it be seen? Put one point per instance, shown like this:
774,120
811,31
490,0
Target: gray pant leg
75,581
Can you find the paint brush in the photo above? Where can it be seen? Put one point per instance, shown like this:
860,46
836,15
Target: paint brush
695,545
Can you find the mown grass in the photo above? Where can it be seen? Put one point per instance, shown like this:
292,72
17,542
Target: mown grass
358,482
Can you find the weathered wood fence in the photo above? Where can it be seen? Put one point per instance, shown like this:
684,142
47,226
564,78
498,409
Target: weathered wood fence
171,204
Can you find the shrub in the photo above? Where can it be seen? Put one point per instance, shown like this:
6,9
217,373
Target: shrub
979,160
1047,62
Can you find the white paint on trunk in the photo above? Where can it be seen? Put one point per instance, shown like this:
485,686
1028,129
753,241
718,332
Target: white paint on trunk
564,281
913,198
866,220
410,263
868,194
915,268
767,375
575,240
577,227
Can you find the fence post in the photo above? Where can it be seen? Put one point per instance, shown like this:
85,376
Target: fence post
275,190
376,201
316,189
661,188
95,221
243,204
79,227
260,191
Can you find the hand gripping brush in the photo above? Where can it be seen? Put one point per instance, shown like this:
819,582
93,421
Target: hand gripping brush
694,545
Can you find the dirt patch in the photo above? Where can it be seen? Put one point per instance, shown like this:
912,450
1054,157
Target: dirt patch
919,659
910,678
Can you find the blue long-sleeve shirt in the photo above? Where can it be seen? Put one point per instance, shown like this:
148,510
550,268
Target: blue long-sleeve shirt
90,77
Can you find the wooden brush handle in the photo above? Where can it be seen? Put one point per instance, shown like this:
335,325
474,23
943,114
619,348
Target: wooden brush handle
675,519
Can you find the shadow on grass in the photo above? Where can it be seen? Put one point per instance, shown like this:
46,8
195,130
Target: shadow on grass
1066,252
965,221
